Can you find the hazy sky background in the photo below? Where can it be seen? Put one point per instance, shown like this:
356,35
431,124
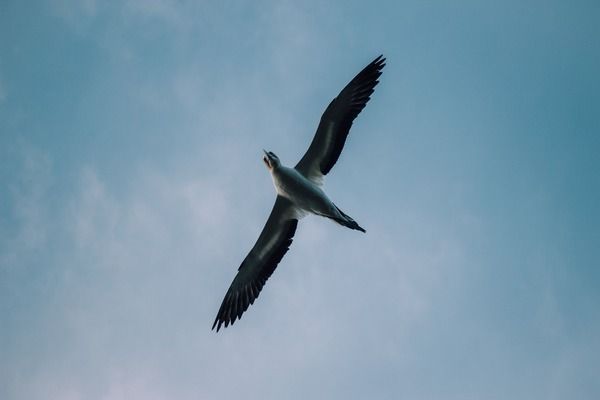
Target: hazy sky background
132,187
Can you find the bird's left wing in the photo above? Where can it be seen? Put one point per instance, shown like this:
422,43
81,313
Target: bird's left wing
328,142
272,244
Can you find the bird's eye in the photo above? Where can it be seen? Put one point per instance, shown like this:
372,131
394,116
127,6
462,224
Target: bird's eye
265,160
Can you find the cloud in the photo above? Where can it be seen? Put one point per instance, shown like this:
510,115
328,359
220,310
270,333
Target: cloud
126,218
140,273
77,14
28,194
125,263
173,14
143,270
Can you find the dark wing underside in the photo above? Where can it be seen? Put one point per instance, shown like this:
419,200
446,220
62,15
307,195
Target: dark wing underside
272,244
336,121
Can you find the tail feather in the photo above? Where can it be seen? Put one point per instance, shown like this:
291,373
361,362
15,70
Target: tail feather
347,221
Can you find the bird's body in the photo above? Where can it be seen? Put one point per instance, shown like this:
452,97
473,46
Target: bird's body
299,192
304,194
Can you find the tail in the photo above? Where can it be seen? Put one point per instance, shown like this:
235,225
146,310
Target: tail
347,221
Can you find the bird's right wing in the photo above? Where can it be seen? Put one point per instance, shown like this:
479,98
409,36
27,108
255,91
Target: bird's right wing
272,244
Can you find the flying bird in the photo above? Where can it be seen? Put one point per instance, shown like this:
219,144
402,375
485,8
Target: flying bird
300,192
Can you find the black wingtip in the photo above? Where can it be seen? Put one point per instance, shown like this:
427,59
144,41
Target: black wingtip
240,295
379,61
215,324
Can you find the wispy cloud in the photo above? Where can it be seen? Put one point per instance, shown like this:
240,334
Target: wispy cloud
141,189
160,254
173,14
27,196
77,14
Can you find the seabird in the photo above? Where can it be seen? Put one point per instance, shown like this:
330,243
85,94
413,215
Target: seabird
299,192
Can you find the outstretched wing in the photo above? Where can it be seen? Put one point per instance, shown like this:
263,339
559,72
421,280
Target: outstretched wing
336,121
272,244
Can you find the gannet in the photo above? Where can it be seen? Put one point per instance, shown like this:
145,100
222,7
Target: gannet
300,192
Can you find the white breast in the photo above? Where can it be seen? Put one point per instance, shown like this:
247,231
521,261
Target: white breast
307,196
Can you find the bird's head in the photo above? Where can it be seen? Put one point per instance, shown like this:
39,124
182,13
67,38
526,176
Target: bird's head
271,160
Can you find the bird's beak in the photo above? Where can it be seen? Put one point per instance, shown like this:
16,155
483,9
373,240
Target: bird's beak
267,159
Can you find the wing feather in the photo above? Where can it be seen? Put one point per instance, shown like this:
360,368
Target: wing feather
272,244
336,121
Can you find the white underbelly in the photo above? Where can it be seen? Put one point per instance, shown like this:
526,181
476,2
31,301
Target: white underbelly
302,192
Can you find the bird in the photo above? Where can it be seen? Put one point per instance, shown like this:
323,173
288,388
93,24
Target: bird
300,192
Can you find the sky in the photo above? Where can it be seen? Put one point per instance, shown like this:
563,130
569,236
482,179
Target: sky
132,187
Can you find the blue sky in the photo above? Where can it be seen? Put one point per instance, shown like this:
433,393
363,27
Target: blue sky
130,163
